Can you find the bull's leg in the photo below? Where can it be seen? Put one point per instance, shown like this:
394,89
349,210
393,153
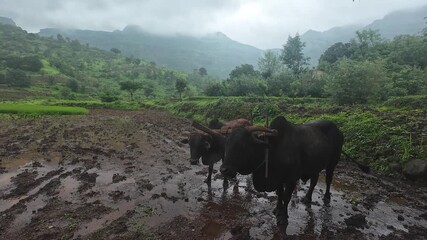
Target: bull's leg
329,176
313,182
208,180
279,206
282,217
225,183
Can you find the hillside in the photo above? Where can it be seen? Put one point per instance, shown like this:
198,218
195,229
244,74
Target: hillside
8,21
32,66
215,52
397,23
220,54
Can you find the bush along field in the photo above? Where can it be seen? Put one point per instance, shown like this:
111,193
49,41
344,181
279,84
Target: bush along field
383,136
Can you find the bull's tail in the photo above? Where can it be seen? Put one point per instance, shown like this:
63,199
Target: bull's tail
364,168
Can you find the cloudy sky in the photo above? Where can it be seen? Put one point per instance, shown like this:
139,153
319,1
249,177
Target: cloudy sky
261,23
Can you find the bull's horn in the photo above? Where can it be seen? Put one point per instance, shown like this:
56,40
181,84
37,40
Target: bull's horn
225,130
267,131
204,129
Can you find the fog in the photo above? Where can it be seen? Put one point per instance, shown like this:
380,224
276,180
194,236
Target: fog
261,23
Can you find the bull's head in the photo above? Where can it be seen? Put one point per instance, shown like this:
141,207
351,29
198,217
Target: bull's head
245,149
200,145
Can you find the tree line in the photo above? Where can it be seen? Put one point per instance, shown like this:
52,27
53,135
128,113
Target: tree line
368,68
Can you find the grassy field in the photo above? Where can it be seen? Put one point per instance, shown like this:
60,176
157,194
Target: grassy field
27,109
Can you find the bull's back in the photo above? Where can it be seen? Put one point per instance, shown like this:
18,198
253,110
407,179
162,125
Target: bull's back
322,145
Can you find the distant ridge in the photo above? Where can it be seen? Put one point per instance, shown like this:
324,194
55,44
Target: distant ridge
215,52
218,53
8,21
409,21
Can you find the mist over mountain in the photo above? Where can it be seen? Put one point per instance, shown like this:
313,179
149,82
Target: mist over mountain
396,23
8,21
219,54
215,52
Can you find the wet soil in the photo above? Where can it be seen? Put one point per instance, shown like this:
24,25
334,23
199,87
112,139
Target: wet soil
126,175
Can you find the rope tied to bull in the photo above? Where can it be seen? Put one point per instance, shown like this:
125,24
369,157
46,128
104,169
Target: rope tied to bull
266,158
265,161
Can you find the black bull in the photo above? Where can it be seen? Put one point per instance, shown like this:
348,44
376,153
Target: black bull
209,149
294,152
210,146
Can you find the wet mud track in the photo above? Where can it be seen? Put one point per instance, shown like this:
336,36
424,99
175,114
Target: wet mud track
125,175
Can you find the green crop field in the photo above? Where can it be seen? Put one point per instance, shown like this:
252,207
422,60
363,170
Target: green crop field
37,110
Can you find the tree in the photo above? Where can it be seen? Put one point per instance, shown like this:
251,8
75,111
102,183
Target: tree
269,64
407,80
60,38
244,85
409,50
115,50
214,89
17,78
28,63
335,52
243,70
180,86
148,89
73,85
367,45
279,85
292,55
130,86
203,72
355,82
75,45
311,84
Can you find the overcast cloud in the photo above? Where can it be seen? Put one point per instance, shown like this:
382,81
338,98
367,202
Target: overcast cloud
261,23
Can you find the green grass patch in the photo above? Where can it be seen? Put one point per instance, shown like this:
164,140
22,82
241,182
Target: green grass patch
39,110
48,69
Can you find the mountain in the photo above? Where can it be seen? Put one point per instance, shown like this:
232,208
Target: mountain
220,54
401,22
317,42
32,66
215,52
396,23
8,21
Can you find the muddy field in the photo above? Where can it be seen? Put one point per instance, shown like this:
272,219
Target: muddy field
126,175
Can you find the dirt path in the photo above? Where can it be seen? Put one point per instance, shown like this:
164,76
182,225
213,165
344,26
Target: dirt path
125,175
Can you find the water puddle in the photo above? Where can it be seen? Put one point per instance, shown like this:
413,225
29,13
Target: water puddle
213,230
24,218
6,186
103,221
68,190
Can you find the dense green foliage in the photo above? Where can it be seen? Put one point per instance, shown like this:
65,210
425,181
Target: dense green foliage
63,68
368,69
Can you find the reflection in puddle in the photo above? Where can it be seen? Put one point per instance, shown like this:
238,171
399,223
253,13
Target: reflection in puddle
213,229
103,221
31,208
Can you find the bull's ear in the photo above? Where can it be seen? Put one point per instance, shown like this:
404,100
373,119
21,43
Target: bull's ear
207,145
